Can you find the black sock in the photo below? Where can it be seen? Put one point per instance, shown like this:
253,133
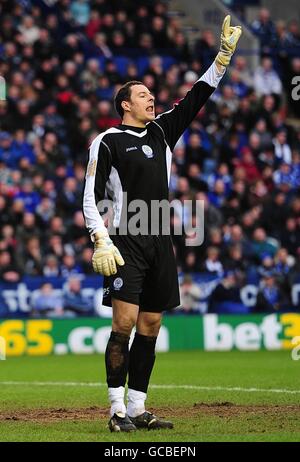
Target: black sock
141,362
116,360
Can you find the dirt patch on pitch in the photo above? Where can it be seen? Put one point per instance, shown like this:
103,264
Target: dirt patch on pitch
228,409
55,414
217,409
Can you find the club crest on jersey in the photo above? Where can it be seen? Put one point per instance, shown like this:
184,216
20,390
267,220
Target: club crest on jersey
118,282
147,151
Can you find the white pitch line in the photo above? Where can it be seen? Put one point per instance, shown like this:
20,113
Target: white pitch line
160,387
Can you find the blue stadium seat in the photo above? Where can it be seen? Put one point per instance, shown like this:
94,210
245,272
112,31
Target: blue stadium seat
142,65
121,63
209,166
167,62
102,61
230,308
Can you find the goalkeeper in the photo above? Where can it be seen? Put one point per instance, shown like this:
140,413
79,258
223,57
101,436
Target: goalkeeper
140,272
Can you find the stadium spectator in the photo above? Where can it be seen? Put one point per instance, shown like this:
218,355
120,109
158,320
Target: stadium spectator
290,235
205,47
226,298
86,261
190,294
248,164
27,228
218,195
46,302
237,236
55,245
68,201
45,210
29,31
282,150
212,216
51,266
262,245
69,266
266,79
292,40
240,65
264,28
9,272
235,261
212,263
80,10
283,178
75,303
270,297
32,258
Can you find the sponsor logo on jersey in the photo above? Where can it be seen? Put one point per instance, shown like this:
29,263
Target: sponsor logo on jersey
133,148
91,169
118,282
147,151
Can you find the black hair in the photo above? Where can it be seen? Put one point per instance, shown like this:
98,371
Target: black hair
124,94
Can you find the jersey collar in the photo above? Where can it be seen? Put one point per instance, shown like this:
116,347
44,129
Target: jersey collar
136,131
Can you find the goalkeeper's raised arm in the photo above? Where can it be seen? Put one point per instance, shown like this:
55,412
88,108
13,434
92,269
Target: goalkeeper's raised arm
174,122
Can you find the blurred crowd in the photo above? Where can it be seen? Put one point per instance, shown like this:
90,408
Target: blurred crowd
63,62
70,301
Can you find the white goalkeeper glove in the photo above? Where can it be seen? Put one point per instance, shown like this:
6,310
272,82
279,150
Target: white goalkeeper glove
106,256
229,39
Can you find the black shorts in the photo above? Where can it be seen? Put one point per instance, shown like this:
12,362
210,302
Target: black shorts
148,278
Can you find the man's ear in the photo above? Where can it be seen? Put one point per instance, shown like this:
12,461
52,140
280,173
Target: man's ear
126,106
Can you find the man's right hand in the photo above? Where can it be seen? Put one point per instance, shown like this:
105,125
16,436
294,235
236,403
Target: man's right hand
106,256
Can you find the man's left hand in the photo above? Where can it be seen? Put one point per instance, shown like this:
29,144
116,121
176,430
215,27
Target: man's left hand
229,38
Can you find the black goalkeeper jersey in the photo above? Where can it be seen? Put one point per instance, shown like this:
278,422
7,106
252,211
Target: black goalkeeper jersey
138,160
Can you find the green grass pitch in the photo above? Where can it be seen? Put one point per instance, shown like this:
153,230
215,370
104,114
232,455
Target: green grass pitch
234,396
